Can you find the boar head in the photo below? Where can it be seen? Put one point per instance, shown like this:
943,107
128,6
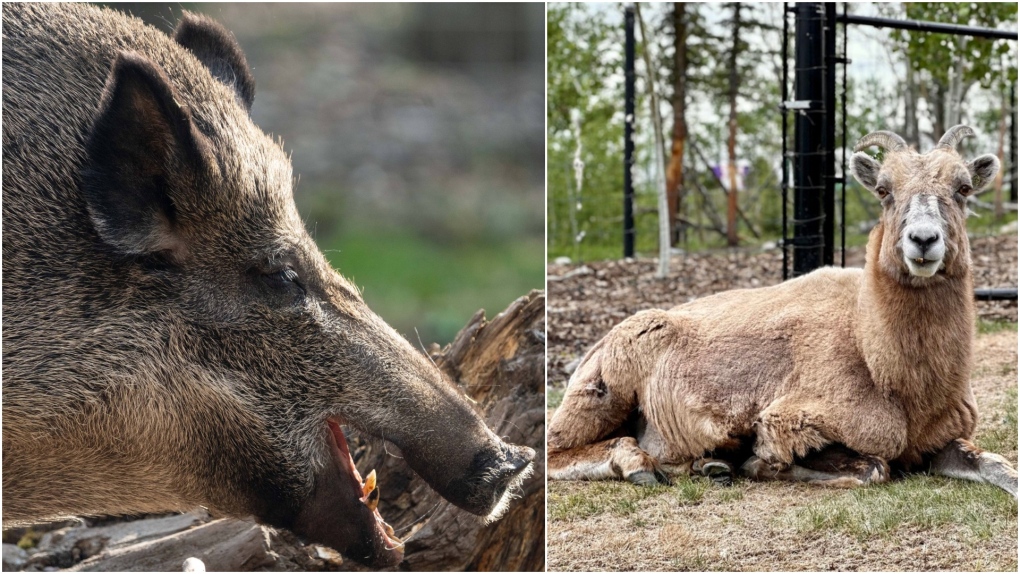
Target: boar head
255,354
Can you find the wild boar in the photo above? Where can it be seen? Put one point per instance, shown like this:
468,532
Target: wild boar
172,337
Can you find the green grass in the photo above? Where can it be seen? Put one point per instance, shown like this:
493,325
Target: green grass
600,497
731,494
984,222
689,492
919,501
985,326
435,286
621,498
696,563
1002,437
554,397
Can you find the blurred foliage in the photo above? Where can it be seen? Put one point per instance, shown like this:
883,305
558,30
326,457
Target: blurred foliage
416,134
585,61
985,60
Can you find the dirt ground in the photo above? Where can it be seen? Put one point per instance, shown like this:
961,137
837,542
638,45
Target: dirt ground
920,523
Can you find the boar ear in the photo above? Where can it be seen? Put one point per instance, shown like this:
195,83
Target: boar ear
983,171
216,48
143,149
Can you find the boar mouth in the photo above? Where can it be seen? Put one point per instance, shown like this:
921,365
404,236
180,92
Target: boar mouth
343,513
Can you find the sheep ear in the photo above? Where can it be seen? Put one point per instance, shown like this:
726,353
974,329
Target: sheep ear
142,149
865,170
218,51
983,171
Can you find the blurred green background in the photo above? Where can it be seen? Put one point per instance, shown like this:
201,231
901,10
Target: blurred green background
417,132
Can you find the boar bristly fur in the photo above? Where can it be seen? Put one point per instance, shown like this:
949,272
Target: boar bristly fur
172,337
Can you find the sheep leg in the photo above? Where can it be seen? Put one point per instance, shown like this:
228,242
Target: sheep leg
785,432
618,458
835,466
962,459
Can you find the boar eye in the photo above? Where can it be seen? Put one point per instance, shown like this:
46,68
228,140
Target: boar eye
283,279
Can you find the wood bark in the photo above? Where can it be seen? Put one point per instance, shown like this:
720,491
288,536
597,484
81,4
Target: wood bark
675,170
500,364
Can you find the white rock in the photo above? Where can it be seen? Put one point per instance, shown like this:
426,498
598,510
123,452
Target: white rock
194,565
14,558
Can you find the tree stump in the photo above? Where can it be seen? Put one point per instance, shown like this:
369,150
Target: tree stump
500,364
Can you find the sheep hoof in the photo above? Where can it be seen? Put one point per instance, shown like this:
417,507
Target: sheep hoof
643,478
777,467
718,472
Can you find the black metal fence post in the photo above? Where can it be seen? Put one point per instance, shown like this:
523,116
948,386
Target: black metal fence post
829,135
785,160
809,150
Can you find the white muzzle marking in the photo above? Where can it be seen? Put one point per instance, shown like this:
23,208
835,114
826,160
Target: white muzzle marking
923,236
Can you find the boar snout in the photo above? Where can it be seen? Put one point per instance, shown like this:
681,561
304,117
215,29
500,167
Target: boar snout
495,473
486,485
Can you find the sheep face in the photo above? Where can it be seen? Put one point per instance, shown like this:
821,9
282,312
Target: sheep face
924,203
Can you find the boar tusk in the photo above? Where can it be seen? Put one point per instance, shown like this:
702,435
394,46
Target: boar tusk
369,484
372,500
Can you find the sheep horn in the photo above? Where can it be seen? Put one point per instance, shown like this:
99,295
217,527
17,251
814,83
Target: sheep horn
954,136
883,139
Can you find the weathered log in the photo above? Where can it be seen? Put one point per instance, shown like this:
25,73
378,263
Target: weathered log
222,545
67,546
500,364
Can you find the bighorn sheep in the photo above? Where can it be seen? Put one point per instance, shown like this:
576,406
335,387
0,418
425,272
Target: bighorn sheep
829,378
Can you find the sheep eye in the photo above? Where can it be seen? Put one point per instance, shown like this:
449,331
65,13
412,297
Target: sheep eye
965,190
882,191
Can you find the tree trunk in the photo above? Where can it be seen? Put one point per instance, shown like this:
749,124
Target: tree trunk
500,364
910,132
955,97
934,93
660,161
731,212
999,212
575,196
675,170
